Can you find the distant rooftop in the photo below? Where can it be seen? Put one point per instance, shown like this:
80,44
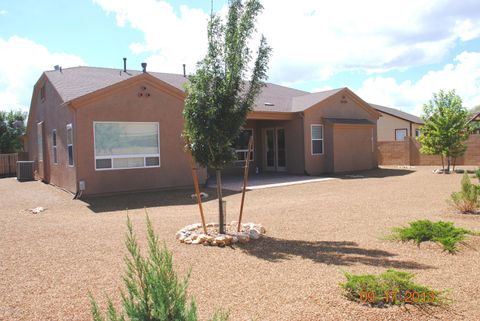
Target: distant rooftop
398,113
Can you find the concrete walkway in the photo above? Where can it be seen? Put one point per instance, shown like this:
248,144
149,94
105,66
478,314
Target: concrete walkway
265,180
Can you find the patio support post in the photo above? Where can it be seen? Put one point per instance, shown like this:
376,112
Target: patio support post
245,181
220,202
195,184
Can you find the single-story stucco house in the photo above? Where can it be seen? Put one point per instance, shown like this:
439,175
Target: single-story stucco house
101,130
396,125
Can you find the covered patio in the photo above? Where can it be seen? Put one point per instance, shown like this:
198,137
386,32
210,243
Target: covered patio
234,182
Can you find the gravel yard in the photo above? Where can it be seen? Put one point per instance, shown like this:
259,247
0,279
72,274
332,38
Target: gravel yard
50,261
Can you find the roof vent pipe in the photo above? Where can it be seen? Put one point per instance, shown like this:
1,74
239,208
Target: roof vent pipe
56,67
184,71
124,64
144,66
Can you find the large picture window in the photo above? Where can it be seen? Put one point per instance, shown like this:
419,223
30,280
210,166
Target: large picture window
317,139
241,145
122,145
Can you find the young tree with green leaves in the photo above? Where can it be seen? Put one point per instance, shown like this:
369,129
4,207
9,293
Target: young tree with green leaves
12,127
223,89
446,127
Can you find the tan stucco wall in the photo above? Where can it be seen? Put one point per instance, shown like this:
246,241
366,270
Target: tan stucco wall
387,124
56,117
126,105
335,108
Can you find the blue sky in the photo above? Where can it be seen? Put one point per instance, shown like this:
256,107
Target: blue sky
393,53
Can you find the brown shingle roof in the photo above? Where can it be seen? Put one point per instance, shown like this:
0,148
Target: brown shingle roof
72,83
398,113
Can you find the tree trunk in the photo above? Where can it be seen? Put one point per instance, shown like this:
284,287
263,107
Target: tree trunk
221,223
443,164
448,164
454,163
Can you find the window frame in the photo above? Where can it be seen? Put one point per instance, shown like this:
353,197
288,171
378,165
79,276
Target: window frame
245,151
70,126
418,131
40,141
316,139
111,157
42,93
54,147
401,129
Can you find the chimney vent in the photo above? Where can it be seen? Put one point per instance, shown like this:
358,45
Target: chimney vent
124,64
144,66
56,67
184,70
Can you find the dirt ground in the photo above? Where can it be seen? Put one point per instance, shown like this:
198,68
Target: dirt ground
50,261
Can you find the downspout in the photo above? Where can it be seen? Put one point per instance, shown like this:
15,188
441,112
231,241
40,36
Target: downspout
75,153
302,117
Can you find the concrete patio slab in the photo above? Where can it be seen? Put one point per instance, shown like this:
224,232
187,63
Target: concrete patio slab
265,180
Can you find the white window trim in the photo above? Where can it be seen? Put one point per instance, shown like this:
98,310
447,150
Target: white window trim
322,139
54,147
125,156
245,151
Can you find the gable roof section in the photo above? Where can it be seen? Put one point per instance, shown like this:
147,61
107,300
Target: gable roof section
72,83
398,113
475,117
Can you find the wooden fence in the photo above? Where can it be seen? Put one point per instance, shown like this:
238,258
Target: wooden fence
8,163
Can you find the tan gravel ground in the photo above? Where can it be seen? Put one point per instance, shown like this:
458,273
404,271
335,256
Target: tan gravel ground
49,261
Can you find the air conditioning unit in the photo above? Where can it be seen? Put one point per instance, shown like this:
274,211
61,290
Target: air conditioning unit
25,170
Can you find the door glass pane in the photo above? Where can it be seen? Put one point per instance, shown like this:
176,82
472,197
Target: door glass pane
281,147
270,148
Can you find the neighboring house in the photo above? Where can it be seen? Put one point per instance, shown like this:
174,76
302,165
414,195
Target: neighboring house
475,120
396,125
103,130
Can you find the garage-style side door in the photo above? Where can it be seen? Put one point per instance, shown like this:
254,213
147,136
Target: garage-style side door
353,148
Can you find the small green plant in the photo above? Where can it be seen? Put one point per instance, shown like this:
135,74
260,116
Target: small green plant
154,291
477,174
390,288
420,231
468,199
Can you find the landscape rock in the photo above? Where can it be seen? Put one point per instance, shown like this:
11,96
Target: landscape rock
194,234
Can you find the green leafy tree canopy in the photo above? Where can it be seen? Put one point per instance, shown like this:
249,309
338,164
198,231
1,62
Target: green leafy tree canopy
12,127
446,126
223,89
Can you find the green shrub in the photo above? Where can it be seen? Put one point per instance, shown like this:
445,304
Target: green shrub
390,288
154,292
477,174
420,231
468,199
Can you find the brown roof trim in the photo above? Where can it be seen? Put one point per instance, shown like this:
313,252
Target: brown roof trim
381,110
474,118
271,115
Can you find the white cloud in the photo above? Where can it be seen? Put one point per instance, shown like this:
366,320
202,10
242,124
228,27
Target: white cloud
23,61
3,12
312,40
463,76
170,39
